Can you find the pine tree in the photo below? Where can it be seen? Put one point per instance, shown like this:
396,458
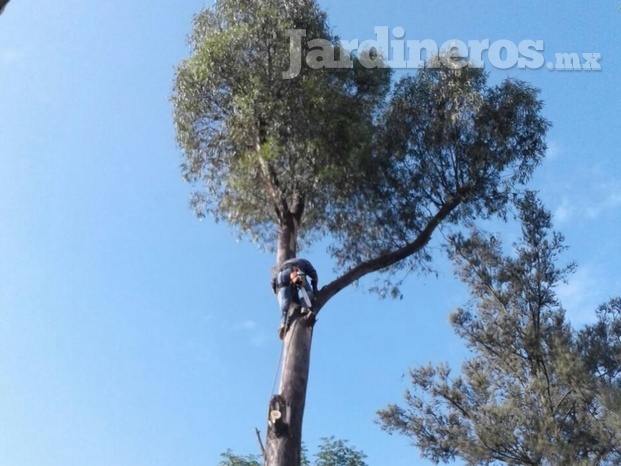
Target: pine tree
534,392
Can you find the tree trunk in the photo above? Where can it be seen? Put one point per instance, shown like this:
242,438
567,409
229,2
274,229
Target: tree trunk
284,432
287,239
284,438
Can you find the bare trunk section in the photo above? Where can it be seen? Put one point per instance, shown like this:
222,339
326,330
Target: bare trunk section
284,438
286,409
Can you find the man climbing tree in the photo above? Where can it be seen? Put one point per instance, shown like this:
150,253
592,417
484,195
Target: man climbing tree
291,276
328,154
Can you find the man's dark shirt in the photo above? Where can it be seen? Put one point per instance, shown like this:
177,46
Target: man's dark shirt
304,265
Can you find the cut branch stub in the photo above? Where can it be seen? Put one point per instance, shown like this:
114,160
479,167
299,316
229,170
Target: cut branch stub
277,416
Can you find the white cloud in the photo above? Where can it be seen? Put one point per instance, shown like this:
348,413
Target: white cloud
8,56
563,212
255,334
554,150
581,295
205,355
246,325
258,340
596,194
610,199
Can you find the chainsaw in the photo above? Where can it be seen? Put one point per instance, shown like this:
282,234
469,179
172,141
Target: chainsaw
299,280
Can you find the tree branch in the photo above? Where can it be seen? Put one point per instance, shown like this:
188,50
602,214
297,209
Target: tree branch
386,260
281,208
3,4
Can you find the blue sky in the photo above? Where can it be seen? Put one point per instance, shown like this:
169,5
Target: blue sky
126,338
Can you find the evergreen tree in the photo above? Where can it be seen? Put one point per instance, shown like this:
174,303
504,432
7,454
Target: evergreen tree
534,392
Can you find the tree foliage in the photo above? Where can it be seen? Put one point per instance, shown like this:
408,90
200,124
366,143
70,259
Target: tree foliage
231,459
331,452
534,392
446,143
261,146
333,151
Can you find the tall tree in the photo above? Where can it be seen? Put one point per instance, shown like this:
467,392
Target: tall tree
534,392
327,153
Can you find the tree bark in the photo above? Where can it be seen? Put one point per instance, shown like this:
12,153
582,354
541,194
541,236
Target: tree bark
284,437
287,239
284,448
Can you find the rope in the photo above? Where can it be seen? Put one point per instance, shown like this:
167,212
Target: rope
282,350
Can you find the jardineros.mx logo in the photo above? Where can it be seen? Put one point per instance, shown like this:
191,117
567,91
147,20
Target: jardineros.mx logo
391,49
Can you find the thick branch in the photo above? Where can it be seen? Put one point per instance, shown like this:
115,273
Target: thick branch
386,260
297,205
272,186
